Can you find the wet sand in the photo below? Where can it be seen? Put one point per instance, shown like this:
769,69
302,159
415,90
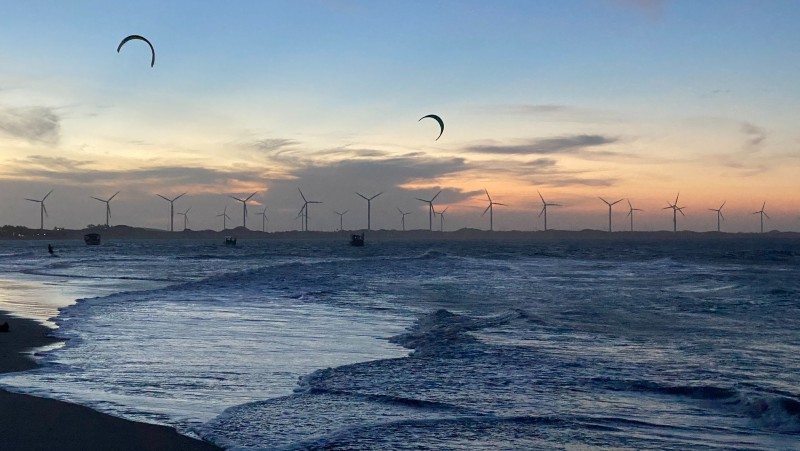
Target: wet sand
33,423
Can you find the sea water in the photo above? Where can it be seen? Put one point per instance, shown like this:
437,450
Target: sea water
689,343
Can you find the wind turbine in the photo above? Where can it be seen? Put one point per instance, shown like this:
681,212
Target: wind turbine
302,217
108,205
441,218
224,218
42,210
404,217
490,209
719,213
264,220
611,204
171,209
544,209
630,212
185,215
430,209
244,207
761,212
369,206
305,207
341,218
675,209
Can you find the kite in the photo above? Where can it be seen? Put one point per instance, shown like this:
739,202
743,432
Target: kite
142,38
439,120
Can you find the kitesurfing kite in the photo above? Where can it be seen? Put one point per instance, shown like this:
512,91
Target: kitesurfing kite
142,38
439,120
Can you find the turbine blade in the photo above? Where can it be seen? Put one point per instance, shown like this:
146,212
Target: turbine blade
159,195
723,204
614,203
373,197
401,211
543,209
487,195
362,196
97,198
445,209
603,200
487,209
248,197
540,197
676,198
233,197
498,203
629,204
765,214
437,195
173,200
115,195
45,210
49,192
32,200
301,195
721,216
423,200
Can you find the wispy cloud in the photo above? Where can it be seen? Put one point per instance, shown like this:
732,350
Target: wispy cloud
559,145
272,144
754,134
32,124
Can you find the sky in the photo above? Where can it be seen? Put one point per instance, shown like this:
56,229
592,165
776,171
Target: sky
579,99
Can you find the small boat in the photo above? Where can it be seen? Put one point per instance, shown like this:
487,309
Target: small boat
230,241
92,239
357,240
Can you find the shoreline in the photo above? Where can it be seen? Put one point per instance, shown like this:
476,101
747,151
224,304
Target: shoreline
33,423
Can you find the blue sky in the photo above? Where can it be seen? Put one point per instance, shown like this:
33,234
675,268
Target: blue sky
697,97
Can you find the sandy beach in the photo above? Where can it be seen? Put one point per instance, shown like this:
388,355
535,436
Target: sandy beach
32,423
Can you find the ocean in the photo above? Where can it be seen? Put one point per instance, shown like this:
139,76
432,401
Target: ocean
624,343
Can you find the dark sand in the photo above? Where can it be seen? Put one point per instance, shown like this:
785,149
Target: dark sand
32,423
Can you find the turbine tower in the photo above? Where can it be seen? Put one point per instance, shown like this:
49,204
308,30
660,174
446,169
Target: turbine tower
719,213
630,212
42,209
341,218
759,212
108,205
545,204
171,209
301,216
369,207
675,209
244,207
264,220
611,204
225,217
305,208
185,215
490,209
404,218
430,209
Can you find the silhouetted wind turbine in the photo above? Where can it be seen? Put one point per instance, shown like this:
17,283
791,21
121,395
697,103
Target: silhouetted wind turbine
341,218
430,209
719,213
264,220
404,218
305,207
171,209
762,213
369,207
185,215
544,209
675,209
244,207
42,209
630,212
490,209
441,218
224,218
108,205
611,204
301,215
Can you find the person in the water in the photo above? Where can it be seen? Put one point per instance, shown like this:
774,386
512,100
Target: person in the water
50,249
